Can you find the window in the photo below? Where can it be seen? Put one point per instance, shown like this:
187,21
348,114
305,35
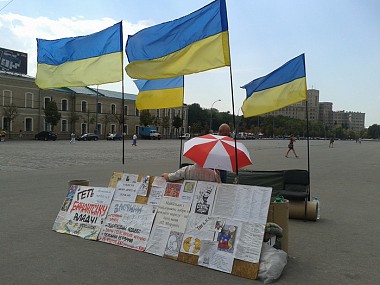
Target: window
125,110
29,100
64,105
64,125
7,97
28,124
137,113
99,129
158,113
47,126
113,128
84,106
83,128
113,109
126,129
46,101
99,108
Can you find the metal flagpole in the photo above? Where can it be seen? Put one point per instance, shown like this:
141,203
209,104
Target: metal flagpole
234,122
122,91
183,100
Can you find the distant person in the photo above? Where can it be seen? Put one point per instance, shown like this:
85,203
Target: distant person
360,140
72,138
20,134
224,130
193,172
331,142
134,140
291,146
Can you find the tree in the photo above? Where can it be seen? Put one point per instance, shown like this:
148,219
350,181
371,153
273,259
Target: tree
146,118
374,131
52,116
177,122
10,112
106,119
165,123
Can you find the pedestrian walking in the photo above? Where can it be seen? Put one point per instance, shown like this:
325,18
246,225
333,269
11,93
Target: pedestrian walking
291,146
134,140
72,138
331,142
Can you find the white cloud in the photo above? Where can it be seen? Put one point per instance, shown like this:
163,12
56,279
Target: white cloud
19,32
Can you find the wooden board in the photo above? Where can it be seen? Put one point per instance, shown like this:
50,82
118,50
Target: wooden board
240,268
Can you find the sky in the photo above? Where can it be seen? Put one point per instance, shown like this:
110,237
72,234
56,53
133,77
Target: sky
340,40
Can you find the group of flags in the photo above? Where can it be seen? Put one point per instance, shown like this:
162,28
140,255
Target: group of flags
159,57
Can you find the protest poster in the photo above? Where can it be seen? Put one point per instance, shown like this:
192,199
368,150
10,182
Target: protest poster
172,189
187,191
128,225
65,207
204,197
87,211
127,191
143,191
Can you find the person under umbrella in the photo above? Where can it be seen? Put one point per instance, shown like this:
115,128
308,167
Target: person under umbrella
193,172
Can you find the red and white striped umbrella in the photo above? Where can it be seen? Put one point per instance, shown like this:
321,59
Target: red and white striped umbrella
218,152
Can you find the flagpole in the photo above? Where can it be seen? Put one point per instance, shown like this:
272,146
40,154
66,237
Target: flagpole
234,122
183,101
122,92
307,131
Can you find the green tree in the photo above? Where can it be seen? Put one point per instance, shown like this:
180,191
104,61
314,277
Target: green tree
166,123
106,120
146,118
374,132
9,112
52,116
177,123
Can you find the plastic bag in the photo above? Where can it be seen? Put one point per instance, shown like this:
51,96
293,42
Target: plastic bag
272,262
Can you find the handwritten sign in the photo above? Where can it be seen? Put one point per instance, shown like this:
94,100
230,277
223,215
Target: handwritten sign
172,213
128,225
87,211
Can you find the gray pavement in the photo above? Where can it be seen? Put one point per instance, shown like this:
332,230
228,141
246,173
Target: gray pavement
340,248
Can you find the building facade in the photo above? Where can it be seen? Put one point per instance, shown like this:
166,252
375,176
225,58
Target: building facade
82,110
322,112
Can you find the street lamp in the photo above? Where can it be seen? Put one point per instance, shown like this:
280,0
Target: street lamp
211,113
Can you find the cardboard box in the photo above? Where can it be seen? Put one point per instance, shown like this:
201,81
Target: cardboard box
279,213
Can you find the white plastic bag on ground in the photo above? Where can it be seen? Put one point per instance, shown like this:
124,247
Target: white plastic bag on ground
272,262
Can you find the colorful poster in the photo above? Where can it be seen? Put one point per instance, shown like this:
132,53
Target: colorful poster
159,181
128,225
172,213
204,197
127,191
172,189
187,191
87,211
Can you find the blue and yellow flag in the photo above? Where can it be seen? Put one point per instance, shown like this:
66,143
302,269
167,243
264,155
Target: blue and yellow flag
160,93
81,61
194,43
283,87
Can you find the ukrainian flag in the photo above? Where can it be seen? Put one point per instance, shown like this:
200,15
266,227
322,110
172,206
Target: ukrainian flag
194,43
160,93
81,61
283,87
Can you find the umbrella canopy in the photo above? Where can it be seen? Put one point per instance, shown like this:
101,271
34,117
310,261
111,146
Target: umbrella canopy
213,151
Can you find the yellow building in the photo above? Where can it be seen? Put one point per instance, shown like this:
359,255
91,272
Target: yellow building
82,109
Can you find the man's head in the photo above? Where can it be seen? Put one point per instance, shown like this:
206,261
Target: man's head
224,130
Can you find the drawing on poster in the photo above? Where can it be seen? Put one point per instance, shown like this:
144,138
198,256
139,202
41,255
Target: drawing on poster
187,191
226,238
172,189
144,186
174,244
129,177
191,245
204,197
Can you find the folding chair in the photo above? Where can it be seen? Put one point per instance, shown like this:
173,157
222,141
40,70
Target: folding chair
296,186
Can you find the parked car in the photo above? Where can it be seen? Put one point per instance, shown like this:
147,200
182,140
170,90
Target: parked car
88,137
45,136
185,136
114,137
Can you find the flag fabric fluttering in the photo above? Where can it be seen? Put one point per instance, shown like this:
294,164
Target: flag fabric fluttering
81,61
160,93
193,43
283,87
